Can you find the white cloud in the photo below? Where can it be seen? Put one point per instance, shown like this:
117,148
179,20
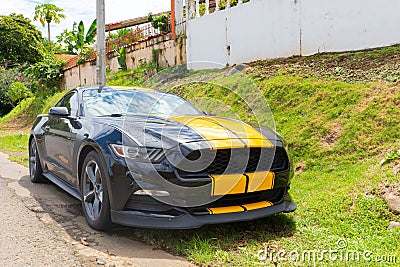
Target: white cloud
77,10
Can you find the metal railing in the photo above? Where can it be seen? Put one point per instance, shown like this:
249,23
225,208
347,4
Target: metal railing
140,33
199,8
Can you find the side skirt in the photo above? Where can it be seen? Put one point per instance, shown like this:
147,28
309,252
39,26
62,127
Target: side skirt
63,185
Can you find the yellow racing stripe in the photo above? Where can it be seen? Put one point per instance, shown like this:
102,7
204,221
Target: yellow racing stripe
225,133
248,134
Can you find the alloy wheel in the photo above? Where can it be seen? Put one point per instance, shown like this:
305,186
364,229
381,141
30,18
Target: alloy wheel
92,190
32,159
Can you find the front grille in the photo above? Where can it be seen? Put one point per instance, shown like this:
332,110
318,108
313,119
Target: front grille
229,161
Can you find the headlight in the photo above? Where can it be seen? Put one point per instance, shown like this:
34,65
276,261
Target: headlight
138,153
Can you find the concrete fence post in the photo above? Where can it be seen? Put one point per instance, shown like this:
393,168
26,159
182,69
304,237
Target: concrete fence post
197,8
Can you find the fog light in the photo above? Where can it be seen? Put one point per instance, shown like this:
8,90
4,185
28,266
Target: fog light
154,193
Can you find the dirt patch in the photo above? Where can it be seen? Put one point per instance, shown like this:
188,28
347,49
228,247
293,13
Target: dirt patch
14,129
333,135
391,194
364,66
300,167
377,91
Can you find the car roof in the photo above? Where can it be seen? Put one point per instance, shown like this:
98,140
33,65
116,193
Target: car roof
117,88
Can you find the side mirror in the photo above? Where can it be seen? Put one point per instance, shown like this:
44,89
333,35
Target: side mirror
59,111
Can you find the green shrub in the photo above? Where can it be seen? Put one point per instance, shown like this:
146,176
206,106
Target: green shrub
7,77
46,75
222,3
18,91
160,22
122,58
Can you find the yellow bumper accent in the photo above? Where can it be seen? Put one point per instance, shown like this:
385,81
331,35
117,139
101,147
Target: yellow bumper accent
260,181
228,184
246,207
258,205
223,210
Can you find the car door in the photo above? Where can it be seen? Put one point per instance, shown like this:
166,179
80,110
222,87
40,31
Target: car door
59,138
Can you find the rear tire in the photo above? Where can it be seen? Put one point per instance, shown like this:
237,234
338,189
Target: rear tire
35,167
94,193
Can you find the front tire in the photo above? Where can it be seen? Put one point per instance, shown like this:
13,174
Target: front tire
94,193
35,167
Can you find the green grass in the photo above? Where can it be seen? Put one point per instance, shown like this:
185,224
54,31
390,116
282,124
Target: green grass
337,133
135,77
14,143
22,159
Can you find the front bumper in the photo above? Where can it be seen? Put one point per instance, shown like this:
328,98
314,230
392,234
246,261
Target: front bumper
189,221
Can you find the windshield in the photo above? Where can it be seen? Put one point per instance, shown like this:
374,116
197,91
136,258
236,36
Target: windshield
110,102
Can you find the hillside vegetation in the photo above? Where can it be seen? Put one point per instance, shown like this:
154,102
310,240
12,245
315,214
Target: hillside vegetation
340,120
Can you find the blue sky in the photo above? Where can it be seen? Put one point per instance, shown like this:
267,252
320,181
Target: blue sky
77,10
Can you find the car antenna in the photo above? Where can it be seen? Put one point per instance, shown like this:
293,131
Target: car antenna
101,88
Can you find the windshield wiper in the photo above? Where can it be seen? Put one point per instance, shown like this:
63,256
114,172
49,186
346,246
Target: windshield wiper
113,115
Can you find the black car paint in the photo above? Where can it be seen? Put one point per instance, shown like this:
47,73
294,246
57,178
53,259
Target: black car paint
75,135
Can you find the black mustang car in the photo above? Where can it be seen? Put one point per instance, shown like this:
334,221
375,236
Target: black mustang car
146,158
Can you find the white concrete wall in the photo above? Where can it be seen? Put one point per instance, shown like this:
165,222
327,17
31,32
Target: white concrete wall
264,29
170,53
345,25
84,74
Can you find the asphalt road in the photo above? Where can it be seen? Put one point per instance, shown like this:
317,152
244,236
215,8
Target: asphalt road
41,225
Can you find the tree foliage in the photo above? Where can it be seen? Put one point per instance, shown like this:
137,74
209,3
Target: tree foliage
21,42
47,13
76,41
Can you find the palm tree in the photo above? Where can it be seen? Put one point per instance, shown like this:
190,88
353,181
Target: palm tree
46,13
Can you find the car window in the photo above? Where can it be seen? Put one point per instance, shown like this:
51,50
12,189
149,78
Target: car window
109,102
70,101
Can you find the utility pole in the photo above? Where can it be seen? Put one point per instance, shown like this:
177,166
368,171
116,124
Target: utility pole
101,44
173,19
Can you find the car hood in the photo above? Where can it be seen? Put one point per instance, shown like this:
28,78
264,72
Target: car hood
167,132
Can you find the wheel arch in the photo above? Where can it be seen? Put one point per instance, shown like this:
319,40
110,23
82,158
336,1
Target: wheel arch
81,158
85,149
39,150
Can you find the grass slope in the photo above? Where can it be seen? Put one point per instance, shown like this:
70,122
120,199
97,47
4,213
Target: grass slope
15,126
